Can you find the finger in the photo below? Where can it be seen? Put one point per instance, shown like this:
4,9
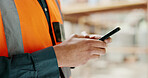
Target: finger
92,37
77,36
87,36
80,36
95,56
84,33
109,40
95,36
98,51
96,43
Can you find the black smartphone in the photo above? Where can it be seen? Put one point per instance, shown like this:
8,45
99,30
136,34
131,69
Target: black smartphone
110,33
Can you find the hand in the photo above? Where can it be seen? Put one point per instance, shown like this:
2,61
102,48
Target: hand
109,40
78,49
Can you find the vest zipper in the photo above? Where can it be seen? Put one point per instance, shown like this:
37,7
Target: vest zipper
45,9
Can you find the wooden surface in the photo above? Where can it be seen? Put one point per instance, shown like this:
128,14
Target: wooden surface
85,8
76,11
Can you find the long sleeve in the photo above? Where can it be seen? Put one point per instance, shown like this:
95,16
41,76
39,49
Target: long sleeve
41,64
4,67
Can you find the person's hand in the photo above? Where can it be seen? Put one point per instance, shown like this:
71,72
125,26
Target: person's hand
78,49
109,40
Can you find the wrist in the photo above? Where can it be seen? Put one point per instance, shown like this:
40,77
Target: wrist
58,55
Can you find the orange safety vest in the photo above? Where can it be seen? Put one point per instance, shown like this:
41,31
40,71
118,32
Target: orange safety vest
34,28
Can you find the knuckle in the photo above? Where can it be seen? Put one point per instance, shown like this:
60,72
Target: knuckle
87,36
88,42
89,50
104,44
103,51
74,35
109,40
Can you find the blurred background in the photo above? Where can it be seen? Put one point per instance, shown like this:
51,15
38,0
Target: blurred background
127,55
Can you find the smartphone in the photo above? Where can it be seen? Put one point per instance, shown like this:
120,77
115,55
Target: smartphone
110,33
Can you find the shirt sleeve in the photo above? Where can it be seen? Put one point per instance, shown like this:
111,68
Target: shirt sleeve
42,64
4,67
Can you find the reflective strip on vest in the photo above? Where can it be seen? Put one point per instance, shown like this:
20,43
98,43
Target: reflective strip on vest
25,26
3,44
12,27
34,26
